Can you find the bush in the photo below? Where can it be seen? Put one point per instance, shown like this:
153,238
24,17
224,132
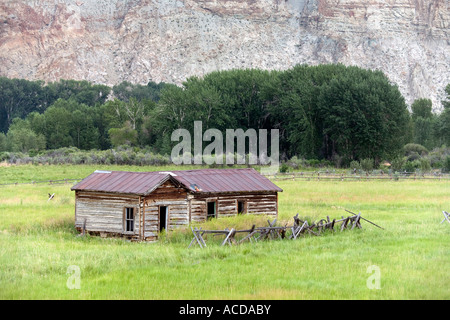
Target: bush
446,165
411,166
398,163
413,156
414,147
425,165
367,164
284,168
355,165
296,163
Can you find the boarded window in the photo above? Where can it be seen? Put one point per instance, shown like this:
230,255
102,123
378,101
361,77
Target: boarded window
129,219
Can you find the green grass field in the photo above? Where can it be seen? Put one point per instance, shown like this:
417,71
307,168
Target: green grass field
38,246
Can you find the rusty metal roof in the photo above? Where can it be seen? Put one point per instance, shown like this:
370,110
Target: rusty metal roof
201,180
225,180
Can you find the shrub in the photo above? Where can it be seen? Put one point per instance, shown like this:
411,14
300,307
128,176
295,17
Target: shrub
355,165
284,168
367,164
446,165
425,165
411,166
398,163
414,147
413,156
296,163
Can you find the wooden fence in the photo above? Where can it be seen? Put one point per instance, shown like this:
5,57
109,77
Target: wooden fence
305,176
323,175
60,181
298,229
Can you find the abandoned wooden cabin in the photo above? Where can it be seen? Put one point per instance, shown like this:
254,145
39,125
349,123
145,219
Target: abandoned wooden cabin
139,205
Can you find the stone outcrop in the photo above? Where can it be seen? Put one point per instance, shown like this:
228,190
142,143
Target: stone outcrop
108,41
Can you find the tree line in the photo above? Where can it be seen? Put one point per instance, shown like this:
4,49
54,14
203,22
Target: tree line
332,112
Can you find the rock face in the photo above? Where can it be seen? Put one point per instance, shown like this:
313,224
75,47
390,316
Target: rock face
108,41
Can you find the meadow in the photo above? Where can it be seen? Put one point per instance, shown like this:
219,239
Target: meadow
39,246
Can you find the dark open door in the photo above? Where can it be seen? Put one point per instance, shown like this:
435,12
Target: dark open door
162,218
211,209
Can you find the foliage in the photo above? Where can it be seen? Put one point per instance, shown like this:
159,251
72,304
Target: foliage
19,97
446,166
414,147
367,164
126,135
126,91
326,114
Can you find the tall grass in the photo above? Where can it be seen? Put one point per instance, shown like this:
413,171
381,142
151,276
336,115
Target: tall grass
38,244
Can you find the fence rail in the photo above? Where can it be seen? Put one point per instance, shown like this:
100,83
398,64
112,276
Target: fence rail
60,181
321,175
355,176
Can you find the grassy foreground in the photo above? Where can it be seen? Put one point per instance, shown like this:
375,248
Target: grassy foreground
39,247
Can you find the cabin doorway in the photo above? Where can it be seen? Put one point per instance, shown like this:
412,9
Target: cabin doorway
163,214
211,210
241,207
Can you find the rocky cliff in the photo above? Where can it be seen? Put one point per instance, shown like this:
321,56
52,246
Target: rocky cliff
108,41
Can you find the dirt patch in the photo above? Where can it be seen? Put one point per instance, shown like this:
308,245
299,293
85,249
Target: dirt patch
5,164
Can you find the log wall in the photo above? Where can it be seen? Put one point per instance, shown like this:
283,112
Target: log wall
104,212
175,199
227,204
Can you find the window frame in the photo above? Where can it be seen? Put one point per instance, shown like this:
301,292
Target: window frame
126,219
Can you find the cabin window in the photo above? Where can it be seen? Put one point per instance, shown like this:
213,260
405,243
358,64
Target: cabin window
211,209
241,207
129,219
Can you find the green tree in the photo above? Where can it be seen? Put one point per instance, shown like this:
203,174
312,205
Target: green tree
123,136
18,97
126,90
423,122
79,91
58,126
362,114
443,121
422,108
3,142
22,138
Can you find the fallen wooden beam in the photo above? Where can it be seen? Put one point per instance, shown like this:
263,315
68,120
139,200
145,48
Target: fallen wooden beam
365,219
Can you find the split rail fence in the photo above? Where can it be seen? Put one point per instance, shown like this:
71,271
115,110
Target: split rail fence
446,216
58,181
316,175
298,229
323,175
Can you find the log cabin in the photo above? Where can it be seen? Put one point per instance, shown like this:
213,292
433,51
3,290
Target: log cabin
140,205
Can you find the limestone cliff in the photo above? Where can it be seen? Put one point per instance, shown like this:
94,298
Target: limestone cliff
108,41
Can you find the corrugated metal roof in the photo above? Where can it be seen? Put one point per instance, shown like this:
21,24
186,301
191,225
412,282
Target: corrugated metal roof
226,180
122,182
201,180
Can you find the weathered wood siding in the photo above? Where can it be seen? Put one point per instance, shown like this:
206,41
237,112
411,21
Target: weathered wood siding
198,209
227,204
104,212
175,199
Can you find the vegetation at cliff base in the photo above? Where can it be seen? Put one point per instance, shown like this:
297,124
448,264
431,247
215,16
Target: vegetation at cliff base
335,113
